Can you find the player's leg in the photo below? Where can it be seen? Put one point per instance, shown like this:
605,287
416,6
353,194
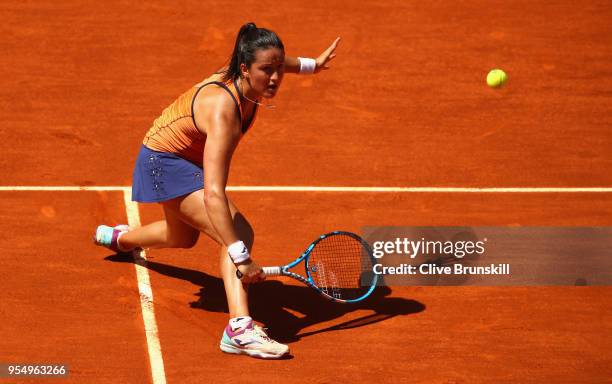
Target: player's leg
172,232
192,210
185,218
241,335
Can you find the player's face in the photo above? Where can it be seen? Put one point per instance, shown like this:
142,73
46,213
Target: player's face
266,72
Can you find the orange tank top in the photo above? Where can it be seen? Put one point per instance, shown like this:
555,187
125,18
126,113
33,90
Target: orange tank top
175,131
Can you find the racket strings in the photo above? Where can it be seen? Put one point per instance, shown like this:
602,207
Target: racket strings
337,265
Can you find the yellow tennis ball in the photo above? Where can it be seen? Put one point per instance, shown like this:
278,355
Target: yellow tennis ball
496,78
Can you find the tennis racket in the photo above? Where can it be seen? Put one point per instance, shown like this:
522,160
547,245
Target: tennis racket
338,265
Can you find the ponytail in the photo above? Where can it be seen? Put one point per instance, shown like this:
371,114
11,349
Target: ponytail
249,40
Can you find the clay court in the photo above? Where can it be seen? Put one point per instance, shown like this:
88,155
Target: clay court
405,105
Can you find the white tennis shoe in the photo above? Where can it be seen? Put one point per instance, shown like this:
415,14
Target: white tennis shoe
251,340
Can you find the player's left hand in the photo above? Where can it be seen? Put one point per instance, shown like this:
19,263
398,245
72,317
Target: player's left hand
327,56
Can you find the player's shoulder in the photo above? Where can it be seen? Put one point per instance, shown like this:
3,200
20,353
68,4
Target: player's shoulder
214,104
214,99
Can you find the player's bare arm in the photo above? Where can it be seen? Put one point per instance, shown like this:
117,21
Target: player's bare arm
222,127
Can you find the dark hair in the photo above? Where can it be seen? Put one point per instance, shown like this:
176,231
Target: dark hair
249,40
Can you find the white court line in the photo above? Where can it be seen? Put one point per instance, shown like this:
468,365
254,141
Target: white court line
273,188
146,297
413,189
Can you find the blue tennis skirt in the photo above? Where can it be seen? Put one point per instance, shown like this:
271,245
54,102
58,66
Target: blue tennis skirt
161,176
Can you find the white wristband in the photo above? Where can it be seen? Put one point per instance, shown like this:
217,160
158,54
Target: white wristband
307,65
238,252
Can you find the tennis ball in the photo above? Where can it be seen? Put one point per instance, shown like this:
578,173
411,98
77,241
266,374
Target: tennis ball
496,78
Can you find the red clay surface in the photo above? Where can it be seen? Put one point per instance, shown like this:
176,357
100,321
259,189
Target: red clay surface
60,301
405,105
406,334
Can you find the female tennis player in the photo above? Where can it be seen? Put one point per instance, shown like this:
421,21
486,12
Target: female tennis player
184,164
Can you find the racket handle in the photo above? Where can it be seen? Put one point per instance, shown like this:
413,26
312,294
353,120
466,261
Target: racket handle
272,271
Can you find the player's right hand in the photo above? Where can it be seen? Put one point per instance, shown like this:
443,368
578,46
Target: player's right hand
250,272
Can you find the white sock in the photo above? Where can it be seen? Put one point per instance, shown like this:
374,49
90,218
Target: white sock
239,322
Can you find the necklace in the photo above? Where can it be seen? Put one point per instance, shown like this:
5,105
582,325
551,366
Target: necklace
268,106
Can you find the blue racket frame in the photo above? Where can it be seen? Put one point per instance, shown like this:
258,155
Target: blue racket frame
284,270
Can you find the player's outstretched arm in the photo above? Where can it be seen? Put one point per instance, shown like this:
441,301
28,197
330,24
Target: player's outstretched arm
292,64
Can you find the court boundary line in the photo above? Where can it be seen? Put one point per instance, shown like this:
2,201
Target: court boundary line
156,360
273,188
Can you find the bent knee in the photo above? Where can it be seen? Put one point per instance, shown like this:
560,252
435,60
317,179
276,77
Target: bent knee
185,242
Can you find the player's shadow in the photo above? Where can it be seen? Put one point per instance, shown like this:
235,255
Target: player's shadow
274,304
